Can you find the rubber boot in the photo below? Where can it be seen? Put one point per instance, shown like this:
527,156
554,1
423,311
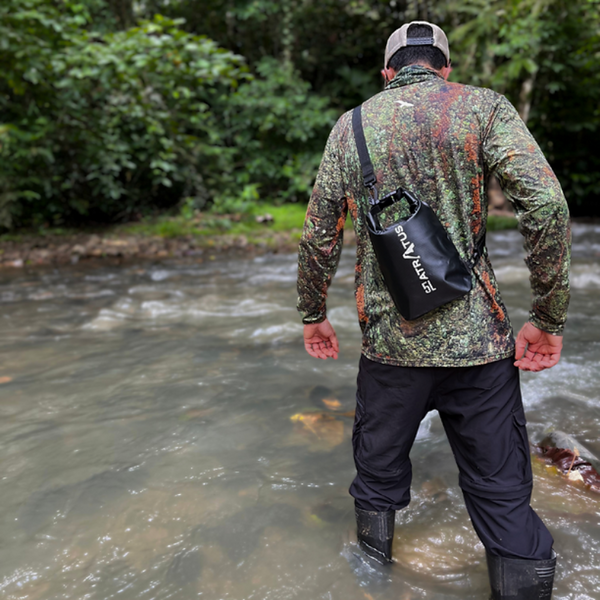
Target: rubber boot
375,531
517,579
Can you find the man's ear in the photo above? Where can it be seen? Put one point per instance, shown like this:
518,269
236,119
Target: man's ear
445,71
388,74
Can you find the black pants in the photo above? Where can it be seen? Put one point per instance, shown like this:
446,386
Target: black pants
482,414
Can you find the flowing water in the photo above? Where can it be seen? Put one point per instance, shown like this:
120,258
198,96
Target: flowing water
164,435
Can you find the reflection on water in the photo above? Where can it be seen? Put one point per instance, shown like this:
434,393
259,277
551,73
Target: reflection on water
164,435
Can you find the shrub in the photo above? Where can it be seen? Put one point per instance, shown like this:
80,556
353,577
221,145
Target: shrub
100,126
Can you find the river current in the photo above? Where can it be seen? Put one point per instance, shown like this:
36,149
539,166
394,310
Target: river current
163,434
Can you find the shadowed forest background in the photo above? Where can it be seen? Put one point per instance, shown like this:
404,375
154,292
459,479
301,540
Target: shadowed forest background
112,110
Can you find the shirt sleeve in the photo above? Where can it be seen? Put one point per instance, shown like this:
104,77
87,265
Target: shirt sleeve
513,155
322,238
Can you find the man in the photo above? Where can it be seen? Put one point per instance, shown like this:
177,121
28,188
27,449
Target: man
442,141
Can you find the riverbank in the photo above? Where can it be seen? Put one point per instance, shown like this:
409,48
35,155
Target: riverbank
56,249
267,228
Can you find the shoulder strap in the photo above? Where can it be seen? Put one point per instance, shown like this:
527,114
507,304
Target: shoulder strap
361,145
479,249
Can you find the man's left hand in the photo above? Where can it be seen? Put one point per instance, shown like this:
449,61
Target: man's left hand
536,350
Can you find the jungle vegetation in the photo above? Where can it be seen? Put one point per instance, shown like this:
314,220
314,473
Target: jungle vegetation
111,110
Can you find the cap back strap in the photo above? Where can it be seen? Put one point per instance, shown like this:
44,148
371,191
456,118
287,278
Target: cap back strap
419,41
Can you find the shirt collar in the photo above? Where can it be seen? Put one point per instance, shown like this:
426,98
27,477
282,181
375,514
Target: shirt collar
412,74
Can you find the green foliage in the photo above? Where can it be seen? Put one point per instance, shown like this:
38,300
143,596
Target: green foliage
500,223
103,126
109,110
286,218
544,55
335,45
280,128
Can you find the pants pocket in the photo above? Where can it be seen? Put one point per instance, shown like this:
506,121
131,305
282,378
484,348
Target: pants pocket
359,417
521,444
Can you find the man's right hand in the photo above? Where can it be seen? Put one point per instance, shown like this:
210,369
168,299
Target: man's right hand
536,350
320,340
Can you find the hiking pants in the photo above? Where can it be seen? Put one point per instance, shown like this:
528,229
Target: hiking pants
482,413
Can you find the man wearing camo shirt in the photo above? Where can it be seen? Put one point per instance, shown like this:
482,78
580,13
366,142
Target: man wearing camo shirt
442,141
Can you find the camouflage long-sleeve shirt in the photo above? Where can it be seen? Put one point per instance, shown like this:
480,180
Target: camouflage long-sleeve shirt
441,141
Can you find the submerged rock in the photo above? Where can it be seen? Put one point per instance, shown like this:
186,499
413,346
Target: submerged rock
320,427
570,458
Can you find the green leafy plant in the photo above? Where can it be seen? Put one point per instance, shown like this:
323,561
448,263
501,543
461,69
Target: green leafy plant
110,111
543,54
103,126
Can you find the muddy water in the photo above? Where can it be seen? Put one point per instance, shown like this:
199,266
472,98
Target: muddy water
163,435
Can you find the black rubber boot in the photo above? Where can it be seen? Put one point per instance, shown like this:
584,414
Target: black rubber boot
516,579
375,532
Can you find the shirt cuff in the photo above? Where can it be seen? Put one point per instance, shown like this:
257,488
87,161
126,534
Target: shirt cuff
551,328
314,318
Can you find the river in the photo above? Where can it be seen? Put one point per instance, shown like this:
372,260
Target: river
164,435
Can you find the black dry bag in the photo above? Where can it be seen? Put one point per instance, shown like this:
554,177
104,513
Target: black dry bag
419,263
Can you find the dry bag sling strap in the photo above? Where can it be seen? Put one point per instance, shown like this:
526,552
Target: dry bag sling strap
419,263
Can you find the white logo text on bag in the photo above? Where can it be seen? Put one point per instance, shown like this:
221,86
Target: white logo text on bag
409,249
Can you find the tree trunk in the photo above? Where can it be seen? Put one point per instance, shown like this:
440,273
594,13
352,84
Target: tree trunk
525,97
123,10
287,32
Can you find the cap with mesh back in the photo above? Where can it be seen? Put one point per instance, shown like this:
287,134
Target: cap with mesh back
399,39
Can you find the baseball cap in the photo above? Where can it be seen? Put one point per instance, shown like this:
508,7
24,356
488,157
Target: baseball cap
399,39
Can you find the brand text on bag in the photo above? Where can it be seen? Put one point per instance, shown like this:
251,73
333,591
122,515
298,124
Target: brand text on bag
409,249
